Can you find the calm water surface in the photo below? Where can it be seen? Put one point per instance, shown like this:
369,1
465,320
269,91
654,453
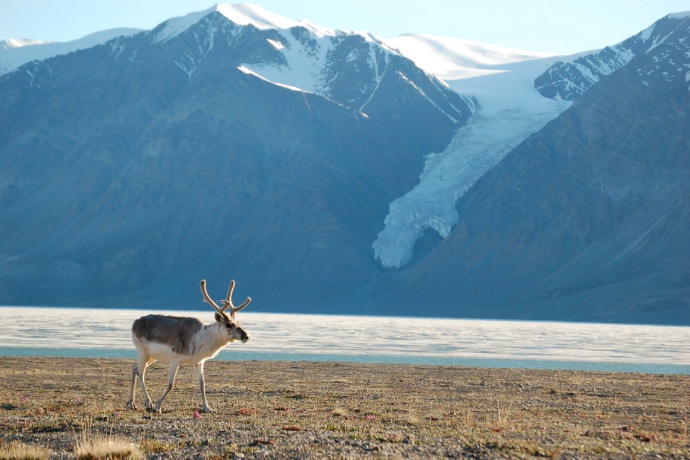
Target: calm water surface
545,345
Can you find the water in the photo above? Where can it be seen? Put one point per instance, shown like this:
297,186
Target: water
516,344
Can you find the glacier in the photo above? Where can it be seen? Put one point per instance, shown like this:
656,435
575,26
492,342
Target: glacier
509,110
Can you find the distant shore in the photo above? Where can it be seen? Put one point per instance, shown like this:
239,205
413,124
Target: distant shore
279,409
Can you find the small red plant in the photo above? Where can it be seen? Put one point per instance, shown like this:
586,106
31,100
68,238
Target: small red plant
292,428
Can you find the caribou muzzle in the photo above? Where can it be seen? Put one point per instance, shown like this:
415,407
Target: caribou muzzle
243,336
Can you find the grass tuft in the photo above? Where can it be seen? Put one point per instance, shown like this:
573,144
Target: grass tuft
106,448
19,451
92,446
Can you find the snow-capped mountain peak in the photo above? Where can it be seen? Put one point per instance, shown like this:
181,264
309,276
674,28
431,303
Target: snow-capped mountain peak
680,15
300,55
569,80
243,14
249,13
17,52
300,50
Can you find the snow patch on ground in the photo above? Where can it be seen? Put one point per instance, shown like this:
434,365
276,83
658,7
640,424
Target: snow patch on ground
247,71
306,61
304,65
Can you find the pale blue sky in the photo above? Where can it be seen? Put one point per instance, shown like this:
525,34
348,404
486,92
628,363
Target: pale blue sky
535,25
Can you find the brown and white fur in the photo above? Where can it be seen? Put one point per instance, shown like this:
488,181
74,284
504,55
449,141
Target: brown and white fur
179,341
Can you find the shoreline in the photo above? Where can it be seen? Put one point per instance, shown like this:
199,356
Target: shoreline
490,363
269,409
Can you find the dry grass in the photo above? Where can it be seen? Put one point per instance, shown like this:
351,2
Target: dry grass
342,410
91,444
105,447
17,450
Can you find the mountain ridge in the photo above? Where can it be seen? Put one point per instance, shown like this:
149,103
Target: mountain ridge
15,53
569,80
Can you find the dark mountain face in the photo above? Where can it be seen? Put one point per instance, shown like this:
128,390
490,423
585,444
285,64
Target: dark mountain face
569,80
135,168
587,219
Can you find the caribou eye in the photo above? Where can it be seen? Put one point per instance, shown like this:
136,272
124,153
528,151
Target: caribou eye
231,326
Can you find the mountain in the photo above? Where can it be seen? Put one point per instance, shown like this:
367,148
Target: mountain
226,143
569,80
587,218
334,172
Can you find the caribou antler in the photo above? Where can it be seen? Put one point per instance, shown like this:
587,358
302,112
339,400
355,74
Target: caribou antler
208,299
227,303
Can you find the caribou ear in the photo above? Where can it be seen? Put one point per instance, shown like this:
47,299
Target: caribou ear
219,318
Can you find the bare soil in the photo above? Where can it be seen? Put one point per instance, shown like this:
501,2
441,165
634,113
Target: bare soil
342,410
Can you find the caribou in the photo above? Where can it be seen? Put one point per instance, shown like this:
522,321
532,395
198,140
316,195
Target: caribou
179,341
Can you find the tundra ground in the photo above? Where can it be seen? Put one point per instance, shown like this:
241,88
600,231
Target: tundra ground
342,410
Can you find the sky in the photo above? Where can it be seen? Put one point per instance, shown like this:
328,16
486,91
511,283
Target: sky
554,26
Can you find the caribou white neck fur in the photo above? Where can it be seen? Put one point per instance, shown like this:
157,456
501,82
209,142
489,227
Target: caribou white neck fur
181,341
